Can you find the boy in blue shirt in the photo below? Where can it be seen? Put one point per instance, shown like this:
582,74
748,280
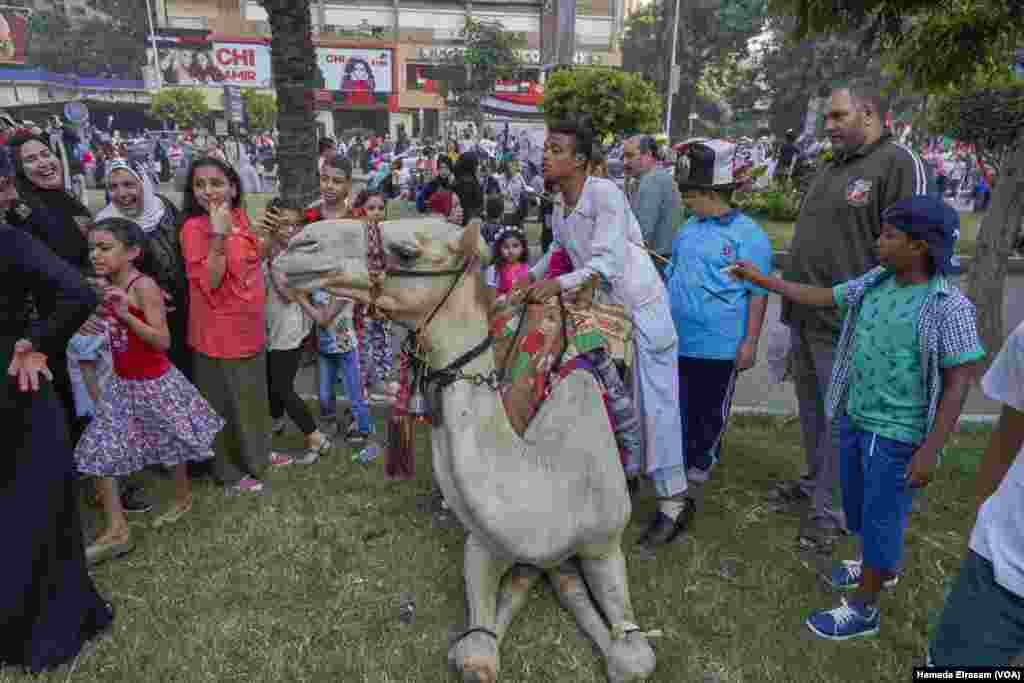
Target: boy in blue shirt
718,319
904,364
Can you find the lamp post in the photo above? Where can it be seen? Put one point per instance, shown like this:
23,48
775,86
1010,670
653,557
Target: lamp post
673,77
693,117
152,39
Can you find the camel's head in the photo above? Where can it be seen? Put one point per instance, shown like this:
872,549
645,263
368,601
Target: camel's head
332,255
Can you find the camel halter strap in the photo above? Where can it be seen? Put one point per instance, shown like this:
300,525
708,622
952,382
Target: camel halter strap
377,266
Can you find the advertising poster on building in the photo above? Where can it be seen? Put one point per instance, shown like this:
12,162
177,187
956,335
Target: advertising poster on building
244,65
13,35
360,73
194,60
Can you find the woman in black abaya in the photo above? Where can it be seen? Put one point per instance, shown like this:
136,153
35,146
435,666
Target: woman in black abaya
49,606
53,216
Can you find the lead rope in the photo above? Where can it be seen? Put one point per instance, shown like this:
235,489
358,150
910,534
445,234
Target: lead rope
399,462
376,264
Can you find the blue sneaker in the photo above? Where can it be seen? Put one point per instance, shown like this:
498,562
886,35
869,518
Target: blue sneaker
846,576
844,622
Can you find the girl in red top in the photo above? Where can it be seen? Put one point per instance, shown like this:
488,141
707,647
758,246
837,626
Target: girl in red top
149,413
227,324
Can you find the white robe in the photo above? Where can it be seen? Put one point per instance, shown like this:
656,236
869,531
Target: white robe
601,235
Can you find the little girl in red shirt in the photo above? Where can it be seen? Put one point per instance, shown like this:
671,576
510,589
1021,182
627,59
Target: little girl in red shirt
149,414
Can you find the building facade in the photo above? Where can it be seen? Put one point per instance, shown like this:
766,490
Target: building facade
384,62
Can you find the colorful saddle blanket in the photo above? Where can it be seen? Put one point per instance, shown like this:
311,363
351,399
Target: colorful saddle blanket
536,345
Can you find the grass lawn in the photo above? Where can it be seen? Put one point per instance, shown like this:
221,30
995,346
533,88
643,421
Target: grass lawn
304,582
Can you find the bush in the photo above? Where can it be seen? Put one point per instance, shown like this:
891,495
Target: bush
780,205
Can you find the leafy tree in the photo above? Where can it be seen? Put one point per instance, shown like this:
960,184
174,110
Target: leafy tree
113,45
944,49
293,62
789,71
711,33
989,118
490,55
261,109
617,101
186,107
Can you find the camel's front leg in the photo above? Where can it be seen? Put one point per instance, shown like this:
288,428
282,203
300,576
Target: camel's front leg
572,593
629,658
475,653
514,590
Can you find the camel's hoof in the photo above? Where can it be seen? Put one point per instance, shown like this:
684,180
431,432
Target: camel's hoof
630,660
476,658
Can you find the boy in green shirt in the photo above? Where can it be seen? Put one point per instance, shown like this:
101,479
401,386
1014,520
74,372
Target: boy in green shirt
904,365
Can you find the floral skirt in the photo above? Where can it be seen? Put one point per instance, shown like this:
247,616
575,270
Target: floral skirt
375,352
162,421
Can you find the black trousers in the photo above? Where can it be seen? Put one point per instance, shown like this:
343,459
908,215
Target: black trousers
282,367
705,400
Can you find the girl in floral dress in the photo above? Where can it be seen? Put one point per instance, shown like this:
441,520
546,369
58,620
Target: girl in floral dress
149,413
374,335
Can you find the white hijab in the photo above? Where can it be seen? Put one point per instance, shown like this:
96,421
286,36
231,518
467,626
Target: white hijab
152,206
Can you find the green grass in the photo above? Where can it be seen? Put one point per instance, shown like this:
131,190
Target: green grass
781,234
303,584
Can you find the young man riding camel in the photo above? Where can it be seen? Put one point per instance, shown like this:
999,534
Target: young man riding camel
600,234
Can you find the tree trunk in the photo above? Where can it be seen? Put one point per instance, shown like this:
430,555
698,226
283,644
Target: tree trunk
293,61
986,280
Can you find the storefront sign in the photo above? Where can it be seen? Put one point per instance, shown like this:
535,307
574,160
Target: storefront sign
358,71
193,60
448,52
243,65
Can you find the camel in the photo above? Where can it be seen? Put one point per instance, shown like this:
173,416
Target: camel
531,504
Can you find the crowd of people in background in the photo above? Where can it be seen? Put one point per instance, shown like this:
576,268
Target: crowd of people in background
148,335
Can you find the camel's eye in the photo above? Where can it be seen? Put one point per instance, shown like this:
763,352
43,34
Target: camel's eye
405,252
304,245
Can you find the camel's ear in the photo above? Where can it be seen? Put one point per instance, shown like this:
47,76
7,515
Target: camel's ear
470,242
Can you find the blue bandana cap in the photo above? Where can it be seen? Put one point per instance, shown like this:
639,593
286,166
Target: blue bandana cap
932,220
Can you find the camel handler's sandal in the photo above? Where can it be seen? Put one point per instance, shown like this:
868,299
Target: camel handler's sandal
625,628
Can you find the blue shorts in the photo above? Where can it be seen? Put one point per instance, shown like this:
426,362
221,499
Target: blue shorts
876,496
982,623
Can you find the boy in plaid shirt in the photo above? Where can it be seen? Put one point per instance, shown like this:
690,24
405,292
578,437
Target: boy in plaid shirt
904,364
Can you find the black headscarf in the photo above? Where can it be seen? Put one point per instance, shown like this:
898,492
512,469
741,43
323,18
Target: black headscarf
52,216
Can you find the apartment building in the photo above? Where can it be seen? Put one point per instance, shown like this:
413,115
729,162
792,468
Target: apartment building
398,50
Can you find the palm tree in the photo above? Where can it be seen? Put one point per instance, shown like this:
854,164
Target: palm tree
293,63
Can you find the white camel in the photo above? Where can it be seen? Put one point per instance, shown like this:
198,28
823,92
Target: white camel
529,503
